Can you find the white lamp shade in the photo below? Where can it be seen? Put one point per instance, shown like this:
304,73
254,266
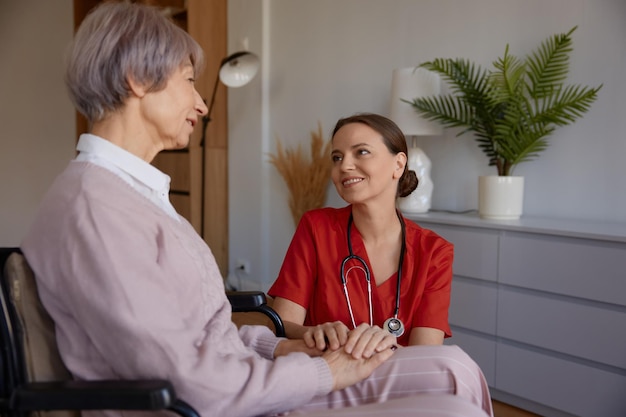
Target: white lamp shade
239,69
408,84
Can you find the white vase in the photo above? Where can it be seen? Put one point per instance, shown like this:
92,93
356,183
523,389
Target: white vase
500,198
420,199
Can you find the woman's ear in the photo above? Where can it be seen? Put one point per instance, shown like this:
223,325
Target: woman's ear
400,162
138,89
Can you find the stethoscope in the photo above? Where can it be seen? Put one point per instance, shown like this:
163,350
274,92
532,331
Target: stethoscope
393,324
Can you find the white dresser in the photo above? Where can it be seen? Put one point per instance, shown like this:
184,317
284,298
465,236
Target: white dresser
540,304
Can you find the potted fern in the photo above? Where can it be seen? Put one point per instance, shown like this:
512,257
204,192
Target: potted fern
511,110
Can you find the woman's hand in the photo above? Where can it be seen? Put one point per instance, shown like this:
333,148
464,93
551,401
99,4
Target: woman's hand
347,370
287,346
361,342
326,336
366,340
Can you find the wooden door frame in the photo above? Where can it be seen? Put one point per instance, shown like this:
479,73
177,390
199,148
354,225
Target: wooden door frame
207,23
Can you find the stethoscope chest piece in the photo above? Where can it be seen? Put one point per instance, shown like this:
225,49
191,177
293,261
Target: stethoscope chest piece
394,326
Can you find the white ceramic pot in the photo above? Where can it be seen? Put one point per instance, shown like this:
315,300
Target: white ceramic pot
500,198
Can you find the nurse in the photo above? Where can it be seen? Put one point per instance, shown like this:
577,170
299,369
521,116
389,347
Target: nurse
365,265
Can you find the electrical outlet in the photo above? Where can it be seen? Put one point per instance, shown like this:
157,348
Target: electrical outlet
242,265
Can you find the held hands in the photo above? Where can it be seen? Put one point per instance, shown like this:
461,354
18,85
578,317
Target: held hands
348,370
361,342
351,355
287,346
330,335
365,341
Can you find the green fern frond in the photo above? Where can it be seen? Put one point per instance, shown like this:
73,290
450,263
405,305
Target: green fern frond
549,64
512,109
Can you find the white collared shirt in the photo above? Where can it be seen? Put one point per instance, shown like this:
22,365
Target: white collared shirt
143,177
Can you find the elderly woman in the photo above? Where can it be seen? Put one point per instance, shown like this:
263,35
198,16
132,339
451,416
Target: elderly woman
136,293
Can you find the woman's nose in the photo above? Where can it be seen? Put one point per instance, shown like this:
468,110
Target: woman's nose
201,105
347,163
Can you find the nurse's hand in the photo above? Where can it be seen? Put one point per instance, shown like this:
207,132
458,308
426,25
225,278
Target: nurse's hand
331,335
366,340
347,370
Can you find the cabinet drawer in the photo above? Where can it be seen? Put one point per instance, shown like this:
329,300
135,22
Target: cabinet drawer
572,387
473,305
475,251
584,268
481,349
569,326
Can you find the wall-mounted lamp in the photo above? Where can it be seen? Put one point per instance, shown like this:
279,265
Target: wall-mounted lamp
236,70
408,84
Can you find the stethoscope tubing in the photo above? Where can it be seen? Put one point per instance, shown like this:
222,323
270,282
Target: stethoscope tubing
366,270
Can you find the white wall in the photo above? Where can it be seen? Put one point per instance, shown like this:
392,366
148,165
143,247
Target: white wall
321,60
36,117
326,59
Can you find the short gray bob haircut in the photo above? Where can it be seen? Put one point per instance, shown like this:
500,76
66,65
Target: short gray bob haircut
117,41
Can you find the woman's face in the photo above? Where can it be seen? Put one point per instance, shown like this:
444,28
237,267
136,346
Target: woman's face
363,168
172,113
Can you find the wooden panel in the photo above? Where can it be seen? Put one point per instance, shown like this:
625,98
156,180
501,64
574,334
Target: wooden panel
174,4
571,327
473,305
207,24
475,252
182,204
178,166
575,388
195,188
81,8
185,169
583,268
216,207
501,409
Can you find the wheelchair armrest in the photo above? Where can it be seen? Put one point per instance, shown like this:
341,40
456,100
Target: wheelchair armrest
243,301
255,301
99,395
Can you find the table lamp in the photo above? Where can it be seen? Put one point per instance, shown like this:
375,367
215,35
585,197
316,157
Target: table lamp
408,84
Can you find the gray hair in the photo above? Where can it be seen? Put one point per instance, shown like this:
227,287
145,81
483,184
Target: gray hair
118,41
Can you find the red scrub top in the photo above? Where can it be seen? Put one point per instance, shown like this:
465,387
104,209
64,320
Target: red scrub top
311,275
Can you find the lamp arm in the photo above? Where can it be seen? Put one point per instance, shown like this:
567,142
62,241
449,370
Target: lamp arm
207,118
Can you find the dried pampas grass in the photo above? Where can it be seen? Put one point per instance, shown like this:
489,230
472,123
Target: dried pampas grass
306,177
